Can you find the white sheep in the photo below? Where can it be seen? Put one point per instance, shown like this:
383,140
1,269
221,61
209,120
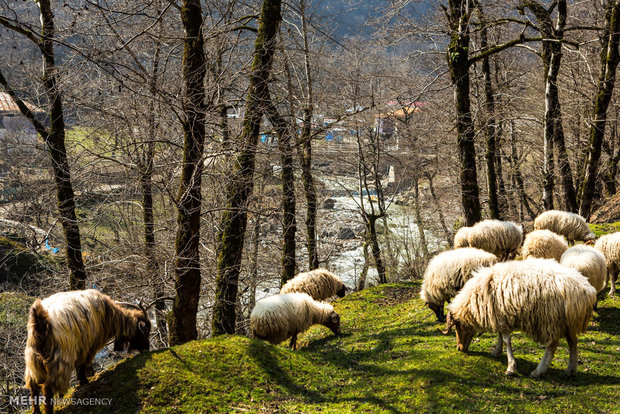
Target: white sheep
320,284
588,261
543,244
502,238
609,245
461,238
570,225
283,316
540,297
446,274
66,330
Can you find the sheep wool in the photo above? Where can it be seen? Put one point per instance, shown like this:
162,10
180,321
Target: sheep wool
589,262
609,245
570,225
502,238
447,272
320,284
540,297
461,238
283,316
543,244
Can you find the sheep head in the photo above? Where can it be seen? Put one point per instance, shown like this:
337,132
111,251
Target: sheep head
342,291
464,333
438,310
333,323
139,341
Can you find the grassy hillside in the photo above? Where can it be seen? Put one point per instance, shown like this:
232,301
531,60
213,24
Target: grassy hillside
390,358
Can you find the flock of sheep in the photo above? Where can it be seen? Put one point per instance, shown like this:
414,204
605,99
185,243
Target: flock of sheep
549,294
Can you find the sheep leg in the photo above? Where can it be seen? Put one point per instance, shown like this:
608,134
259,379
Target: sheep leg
499,347
612,280
572,361
35,392
512,362
49,399
546,359
81,374
293,343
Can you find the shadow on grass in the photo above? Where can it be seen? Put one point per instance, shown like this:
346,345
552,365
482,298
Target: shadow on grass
264,356
608,318
120,385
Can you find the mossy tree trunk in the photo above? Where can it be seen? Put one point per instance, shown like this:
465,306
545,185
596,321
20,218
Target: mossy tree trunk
234,219
54,138
187,263
607,78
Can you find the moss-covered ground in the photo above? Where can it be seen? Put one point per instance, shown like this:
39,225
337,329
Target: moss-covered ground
391,357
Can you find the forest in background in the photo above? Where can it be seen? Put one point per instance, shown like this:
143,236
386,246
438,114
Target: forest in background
198,153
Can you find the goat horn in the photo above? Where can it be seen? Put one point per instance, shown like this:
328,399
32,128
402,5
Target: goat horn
129,305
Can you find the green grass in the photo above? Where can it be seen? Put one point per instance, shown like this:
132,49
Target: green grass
605,228
14,309
390,358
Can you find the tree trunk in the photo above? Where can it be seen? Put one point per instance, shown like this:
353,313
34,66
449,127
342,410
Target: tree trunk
55,141
491,127
304,150
614,158
458,62
238,190
442,220
609,62
284,132
187,264
418,217
361,282
518,178
371,227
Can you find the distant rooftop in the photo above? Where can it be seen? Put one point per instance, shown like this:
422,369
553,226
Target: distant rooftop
8,105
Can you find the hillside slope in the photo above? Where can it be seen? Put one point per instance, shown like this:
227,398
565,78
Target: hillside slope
391,358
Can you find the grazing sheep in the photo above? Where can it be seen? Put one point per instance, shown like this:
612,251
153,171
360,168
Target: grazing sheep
589,262
66,330
461,238
319,284
283,316
446,274
502,238
609,245
570,225
540,297
543,244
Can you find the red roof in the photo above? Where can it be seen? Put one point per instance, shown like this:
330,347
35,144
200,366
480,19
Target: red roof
7,104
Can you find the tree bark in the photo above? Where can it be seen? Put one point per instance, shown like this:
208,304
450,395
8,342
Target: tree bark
442,220
234,218
614,158
609,63
187,264
284,132
304,151
458,62
491,126
54,138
